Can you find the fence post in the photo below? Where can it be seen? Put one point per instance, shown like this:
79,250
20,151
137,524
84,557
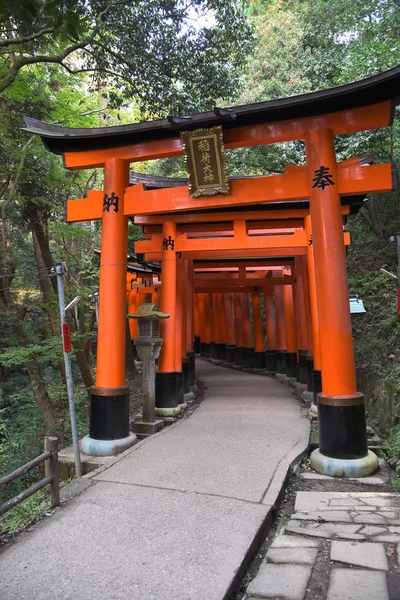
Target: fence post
51,468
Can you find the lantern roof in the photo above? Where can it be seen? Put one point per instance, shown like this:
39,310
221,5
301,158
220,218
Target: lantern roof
148,311
379,88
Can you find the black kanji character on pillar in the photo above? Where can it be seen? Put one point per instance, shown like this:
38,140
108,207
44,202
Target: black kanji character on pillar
310,240
179,254
168,243
109,201
322,178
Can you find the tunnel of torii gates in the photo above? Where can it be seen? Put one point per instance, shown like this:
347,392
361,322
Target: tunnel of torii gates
278,239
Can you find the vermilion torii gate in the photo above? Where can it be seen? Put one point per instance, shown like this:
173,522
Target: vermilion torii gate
323,182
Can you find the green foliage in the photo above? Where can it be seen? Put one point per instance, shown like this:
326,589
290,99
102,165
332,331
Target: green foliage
166,55
29,510
394,446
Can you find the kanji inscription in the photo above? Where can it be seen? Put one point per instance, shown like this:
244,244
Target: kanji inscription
205,162
110,202
322,178
168,243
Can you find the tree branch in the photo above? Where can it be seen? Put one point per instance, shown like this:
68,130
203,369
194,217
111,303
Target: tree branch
26,38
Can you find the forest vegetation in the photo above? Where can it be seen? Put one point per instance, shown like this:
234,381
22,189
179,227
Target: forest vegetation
105,62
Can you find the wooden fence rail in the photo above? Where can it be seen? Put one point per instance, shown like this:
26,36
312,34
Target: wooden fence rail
50,460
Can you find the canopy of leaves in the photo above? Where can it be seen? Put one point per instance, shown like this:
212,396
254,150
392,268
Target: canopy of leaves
171,56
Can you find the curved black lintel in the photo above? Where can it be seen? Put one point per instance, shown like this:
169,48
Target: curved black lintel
379,88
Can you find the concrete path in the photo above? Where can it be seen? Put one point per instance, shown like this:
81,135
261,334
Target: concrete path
176,516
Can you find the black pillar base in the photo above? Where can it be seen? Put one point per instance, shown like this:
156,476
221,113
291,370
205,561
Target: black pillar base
166,390
271,360
239,355
342,429
192,367
291,359
317,384
186,375
230,353
302,375
207,350
196,344
259,360
222,351
202,349
180,387
310,368
248,358
281,361
217,351
212,350
109,413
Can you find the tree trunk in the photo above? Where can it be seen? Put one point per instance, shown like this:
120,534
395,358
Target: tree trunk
87,345
48,296
40,393
369,214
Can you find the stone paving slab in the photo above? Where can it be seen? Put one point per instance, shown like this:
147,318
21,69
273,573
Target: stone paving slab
282,581
368,518
372,480
357,501
365,554
339,516
175,517
294,541
346,584
392,538
325,529
297,556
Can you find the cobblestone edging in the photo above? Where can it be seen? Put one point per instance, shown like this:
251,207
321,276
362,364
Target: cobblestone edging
354,536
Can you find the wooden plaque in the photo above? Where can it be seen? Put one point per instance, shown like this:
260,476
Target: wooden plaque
205,162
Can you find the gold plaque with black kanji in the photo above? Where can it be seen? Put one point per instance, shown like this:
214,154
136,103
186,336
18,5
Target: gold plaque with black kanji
205,161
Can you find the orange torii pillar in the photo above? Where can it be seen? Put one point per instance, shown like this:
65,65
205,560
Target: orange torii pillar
109,405
197,305
259,352
208,325
280,329
219,326
271,354
301,304
307,306
189,282
316,374
248,354
179,330
343,449
203,325
133,297
229,328
290,324
214,348
239,348
167,375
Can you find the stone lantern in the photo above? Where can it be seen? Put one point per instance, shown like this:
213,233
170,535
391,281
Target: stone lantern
148,346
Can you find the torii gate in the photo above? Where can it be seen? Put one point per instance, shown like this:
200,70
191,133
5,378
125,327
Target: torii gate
258,222
315,118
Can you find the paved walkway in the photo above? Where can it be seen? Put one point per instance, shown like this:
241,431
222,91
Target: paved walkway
175,517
